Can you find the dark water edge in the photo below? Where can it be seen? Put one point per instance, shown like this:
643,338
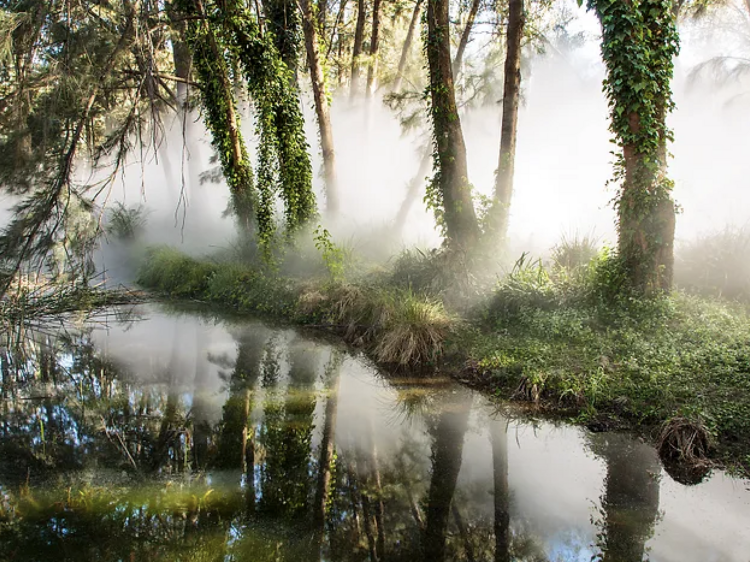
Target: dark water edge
160,434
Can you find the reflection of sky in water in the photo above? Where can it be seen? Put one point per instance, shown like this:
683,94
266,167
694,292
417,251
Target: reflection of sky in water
555,478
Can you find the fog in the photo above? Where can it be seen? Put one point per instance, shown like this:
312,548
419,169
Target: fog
563,161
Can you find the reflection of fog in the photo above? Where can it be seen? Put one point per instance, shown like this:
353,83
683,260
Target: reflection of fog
311,455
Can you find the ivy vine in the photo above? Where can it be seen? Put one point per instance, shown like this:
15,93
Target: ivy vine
283,167
639,43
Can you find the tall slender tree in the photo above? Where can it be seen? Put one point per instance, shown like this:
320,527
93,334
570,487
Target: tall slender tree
406,47
450,191
359,37
322,110
465,34
372,67
509,128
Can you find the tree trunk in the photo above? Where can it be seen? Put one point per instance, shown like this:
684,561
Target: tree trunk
407,45
322,110
221,114
282,18
465,38
499,438
412,193
183,60
359,36
447,452
372,68
631,498
322,13
509,127
464,532
451,196
640,96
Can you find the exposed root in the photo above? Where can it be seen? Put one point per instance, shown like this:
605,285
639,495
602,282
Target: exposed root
527,391
684,440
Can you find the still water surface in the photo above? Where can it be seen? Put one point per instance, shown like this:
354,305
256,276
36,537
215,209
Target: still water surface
162,435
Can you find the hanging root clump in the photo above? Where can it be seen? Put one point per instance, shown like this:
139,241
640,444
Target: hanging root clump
686,443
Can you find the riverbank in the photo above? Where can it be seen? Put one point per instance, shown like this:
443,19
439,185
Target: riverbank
675,369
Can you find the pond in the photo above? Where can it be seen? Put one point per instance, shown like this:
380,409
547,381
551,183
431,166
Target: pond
155,434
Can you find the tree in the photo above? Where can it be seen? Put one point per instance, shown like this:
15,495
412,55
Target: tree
80,86
322,111
220,113
359,37
465,37
639,43
374,43
406,48
450,191
509,128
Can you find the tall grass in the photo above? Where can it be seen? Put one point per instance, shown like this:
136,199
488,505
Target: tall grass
716,264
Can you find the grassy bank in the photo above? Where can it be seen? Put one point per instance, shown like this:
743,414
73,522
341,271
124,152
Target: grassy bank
676,368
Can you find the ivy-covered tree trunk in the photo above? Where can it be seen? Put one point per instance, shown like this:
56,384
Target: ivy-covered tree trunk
283,21
639,43
322,110
359,37
407,45
220,111
509,126
465,38
284,167
450,192
372,68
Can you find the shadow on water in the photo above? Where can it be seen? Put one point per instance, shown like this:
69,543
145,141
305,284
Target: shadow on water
182,437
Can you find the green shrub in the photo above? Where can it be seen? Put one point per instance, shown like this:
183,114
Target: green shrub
171,272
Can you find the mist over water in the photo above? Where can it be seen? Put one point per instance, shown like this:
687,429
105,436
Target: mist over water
563,163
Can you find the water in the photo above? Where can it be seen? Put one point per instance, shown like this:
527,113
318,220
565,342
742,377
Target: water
163,435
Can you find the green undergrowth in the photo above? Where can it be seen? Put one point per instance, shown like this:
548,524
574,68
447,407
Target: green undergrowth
560,339
556,335
396,325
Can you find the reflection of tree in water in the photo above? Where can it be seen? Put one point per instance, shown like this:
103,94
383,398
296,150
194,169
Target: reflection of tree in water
630,502
286,435
447,431
349,499
235,440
